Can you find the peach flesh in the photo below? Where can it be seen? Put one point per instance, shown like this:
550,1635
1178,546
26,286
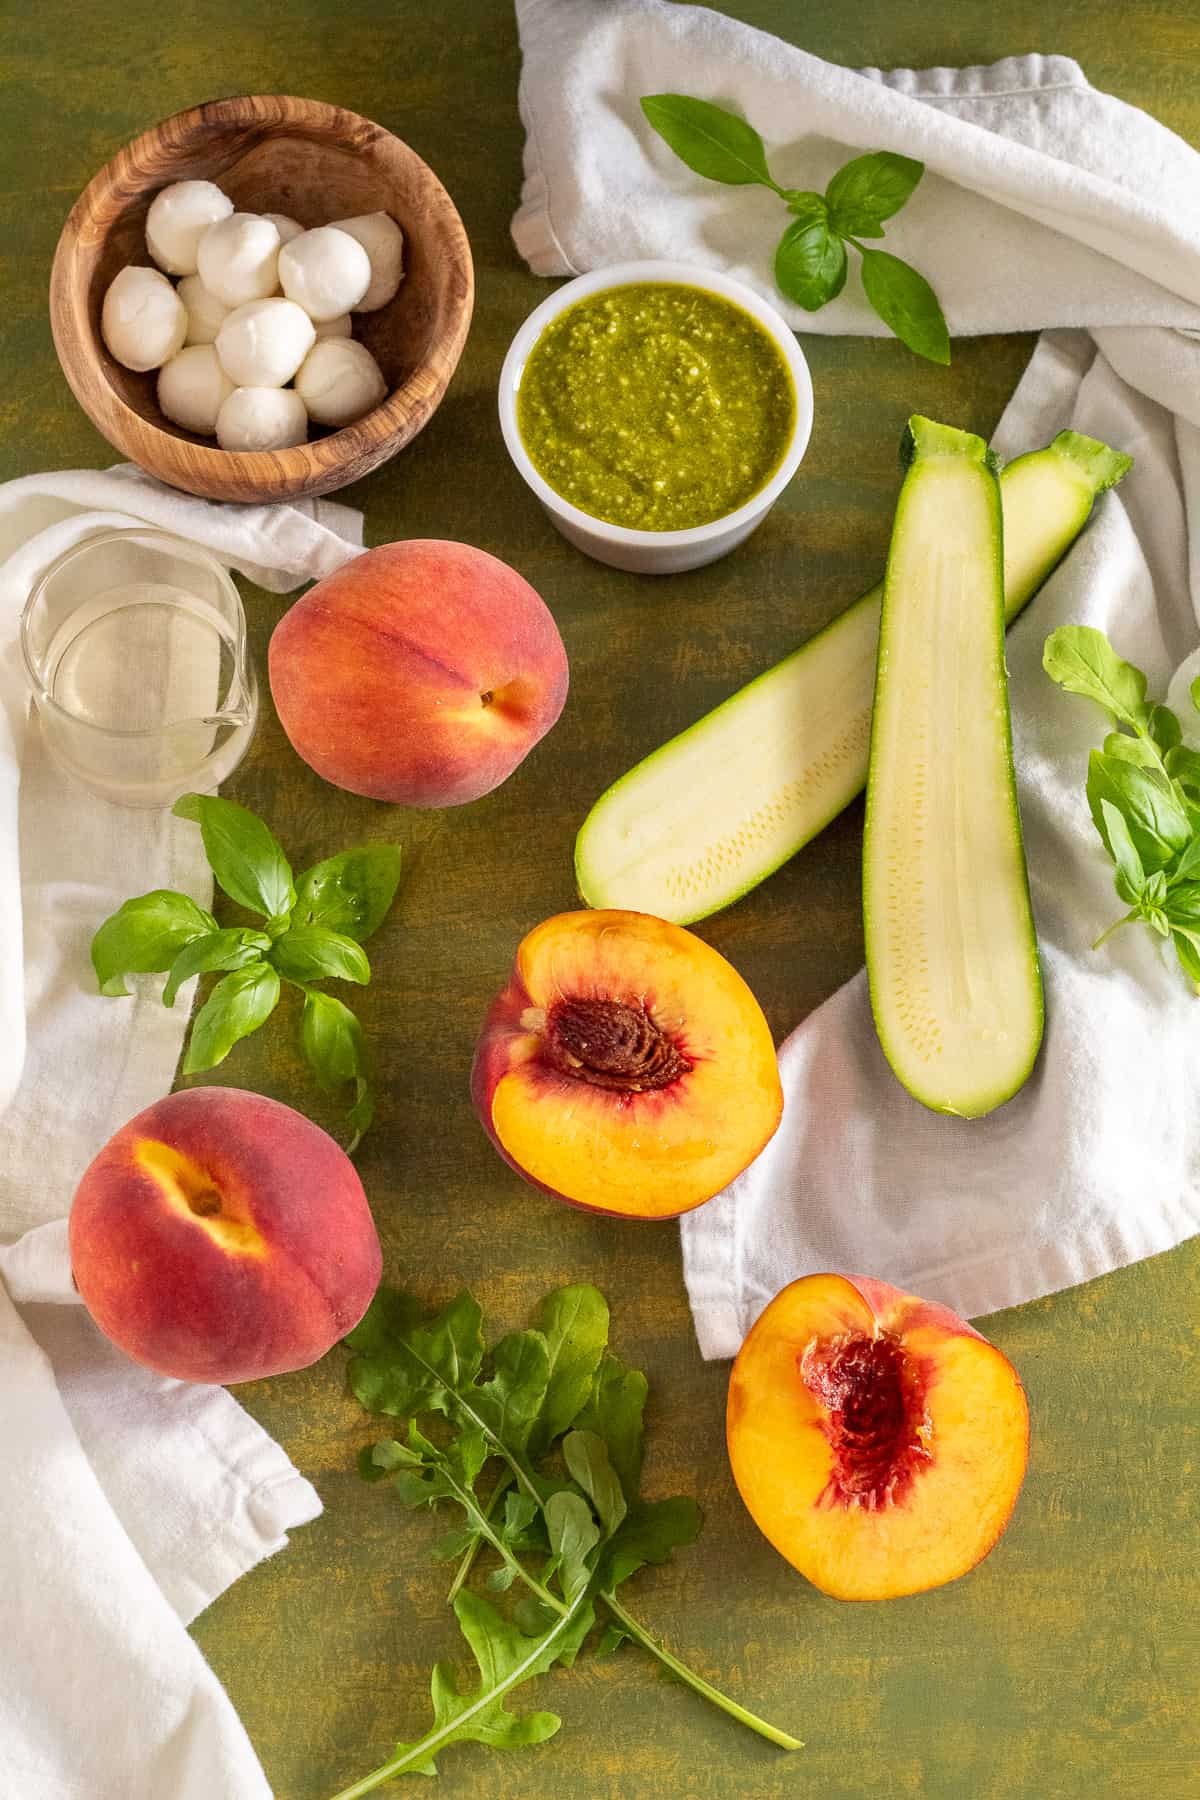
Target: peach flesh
626,1068
879,1441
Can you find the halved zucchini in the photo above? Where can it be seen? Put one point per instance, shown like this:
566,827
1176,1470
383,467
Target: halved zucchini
717,809
951,951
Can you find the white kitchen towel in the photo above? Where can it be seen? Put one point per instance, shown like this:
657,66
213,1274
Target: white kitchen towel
1045,204
127,1502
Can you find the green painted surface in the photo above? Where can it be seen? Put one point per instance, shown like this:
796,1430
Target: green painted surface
1065,1667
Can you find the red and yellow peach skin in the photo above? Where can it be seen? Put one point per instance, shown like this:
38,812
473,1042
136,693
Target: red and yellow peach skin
220,1236
421,673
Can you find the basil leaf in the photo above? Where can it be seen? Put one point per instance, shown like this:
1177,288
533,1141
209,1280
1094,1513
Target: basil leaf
350,893
1187,949
805,204
238,1005
1183,904
1165,728
228,949
1158,823
1082,661
246,858
869,189
144,936
907,304
588,1463
713,142
1131,877
332,1040
313,953
1188,866
1183,765
810,263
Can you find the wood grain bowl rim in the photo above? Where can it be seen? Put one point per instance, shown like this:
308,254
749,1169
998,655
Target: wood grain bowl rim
183,461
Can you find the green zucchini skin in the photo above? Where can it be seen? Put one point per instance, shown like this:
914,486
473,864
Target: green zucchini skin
710,814
952,956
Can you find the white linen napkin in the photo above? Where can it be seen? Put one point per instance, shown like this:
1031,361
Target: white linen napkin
1045,203
127,1501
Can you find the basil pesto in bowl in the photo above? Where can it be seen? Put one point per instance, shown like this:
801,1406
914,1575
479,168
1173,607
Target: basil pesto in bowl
657,412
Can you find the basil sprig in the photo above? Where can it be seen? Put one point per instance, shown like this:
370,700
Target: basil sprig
313,928
1143,791
811,260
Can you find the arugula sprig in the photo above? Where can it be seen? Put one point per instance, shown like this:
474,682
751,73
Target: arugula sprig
810,259
553,1420
1143,791
312,931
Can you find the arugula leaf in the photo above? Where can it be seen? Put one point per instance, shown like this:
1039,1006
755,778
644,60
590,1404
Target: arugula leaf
505,1658
350,893
906,303
713,142
574,1323
1165,728
403,1365
1141,751
588,1462
869,189
314,953
246,857
652,1530
509,1403
1183,765
810,262
228,949
614,1413
1081,660
238,1005
573,1537
144,936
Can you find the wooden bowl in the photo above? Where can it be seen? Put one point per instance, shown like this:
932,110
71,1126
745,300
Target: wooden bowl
317,163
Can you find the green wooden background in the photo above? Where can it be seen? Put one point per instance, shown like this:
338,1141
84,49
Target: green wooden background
1065,1666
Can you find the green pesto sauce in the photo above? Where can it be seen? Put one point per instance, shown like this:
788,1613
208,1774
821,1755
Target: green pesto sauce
656,406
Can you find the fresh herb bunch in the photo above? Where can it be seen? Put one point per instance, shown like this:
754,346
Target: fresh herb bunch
559,1420
313,931
1143,790
811,261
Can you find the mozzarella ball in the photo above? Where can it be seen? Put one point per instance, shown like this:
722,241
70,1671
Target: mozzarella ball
339,327
143,321
325,271
339,381
178,218
383,241
286,227
192,388
262,418
263,343
205,312
238,258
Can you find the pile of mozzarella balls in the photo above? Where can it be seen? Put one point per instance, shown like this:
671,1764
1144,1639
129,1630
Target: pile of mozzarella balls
255,340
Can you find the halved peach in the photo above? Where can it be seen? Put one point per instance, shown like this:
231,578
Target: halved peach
626,1067
878,1441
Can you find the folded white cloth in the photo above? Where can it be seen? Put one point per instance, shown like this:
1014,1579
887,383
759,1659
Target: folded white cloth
127,1502
1045,203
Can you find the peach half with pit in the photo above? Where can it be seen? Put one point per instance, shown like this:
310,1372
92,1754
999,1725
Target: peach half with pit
626,1068
422,673
878,1441
220,1236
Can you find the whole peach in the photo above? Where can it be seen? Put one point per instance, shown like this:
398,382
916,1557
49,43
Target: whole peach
220,1236
420,673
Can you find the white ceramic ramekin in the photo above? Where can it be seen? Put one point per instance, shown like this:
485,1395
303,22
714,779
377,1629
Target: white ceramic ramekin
656,552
